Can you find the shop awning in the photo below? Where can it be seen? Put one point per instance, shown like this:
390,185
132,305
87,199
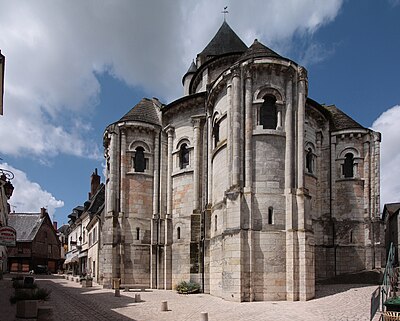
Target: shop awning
73,259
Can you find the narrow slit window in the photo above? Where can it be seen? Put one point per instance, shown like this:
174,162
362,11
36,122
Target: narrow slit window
268,113
138,233
348,166
184,156
216,134
139,160
309,161
270,215
215,222
178,233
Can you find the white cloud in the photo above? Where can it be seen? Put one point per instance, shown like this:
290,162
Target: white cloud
388,124
28,196
55,49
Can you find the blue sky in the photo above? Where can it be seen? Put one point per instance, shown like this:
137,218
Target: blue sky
74,68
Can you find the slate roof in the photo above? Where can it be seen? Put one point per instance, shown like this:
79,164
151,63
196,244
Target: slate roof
257,49
339,119
97,201
26,225
224,41
144,111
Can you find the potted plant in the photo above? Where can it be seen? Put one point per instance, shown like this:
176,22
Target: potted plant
27,302
87,282
187,287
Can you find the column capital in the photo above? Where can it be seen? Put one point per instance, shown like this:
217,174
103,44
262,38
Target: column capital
196,120
169,130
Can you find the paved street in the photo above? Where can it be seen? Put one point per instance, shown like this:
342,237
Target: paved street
72,302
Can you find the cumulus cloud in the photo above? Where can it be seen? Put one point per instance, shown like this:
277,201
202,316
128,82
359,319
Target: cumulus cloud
29,196
388,124
56,49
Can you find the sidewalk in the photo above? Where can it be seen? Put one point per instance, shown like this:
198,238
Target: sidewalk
71,302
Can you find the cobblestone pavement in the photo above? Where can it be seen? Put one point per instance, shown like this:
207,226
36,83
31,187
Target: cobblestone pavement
72,302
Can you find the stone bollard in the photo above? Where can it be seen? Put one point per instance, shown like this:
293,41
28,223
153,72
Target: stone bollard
164,306
116,287
204,316
137,298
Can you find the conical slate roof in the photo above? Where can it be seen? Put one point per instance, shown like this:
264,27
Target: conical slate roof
144,111
257,49
339,119
225,41
192,68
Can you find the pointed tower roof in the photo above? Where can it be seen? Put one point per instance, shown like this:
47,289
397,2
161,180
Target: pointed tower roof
144,111
257,49
192,69
224,41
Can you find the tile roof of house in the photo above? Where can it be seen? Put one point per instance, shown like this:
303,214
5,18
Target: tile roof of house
26,225
144,111
339,119
257,49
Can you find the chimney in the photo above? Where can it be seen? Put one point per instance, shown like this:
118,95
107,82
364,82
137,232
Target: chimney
55,226
94,183
43,212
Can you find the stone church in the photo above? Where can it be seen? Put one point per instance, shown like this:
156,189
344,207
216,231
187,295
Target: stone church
244,185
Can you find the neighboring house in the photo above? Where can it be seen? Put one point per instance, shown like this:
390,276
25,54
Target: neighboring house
392,226
63,238
37,242
6,190
93,229
244,184
83,228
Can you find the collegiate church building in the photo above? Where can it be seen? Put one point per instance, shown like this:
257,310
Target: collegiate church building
244,184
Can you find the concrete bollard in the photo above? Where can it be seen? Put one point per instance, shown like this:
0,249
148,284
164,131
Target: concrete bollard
204,316
164,306
137,298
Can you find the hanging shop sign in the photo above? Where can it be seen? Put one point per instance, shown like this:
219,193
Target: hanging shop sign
8,236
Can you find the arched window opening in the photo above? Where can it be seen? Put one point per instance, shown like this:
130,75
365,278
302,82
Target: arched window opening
178,233
310,161
216,134
270,215
184,156
139,160
348,166
215,222
138,233
268,113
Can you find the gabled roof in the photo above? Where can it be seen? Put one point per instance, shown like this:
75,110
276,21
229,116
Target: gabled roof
339,119
257,49
144,111
390,209
26,225
224,41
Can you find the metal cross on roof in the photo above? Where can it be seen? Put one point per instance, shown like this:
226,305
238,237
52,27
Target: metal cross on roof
225,11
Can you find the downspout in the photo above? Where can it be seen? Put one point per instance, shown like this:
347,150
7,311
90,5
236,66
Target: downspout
159,204
204,206
331,202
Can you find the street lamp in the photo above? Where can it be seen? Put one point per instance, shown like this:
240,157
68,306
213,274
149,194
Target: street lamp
6,176
2,67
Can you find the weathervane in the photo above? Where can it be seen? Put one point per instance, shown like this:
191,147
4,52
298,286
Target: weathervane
225,12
